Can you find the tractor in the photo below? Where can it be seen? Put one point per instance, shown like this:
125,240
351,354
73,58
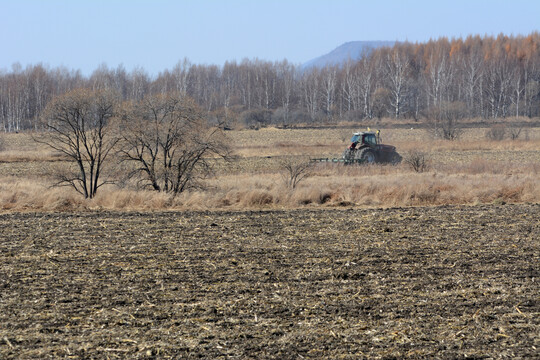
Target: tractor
366,147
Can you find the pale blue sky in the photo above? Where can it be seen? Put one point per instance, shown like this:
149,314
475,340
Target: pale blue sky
155,35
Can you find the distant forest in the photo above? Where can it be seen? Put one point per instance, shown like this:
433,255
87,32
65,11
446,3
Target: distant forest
477,77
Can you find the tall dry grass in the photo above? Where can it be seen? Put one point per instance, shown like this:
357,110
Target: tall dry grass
386,189
469,171
35,195
379,187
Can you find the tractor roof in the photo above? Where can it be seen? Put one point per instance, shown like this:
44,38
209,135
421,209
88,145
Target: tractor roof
364,132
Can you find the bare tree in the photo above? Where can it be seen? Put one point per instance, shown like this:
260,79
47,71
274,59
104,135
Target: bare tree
517,86
472,76
365,74
78,125
397,66
381,98
492,76
170,142
294,169
227,88
286,78
310,87
515,131
180,75
444,121
417,160
328,80
440,77
348,85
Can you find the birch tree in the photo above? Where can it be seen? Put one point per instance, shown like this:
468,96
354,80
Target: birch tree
397,66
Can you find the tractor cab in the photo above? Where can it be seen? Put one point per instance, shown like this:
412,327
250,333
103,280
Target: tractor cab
363,139
356,137
370,139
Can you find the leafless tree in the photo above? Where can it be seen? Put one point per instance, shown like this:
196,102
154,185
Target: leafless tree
440,74
294,169
286,75
180,75
78,125
492,76
515,131
517,86
418,160
444,121
310,87
381,98
472,75
397,67
328,80
364,73
228,87
348,87
168,140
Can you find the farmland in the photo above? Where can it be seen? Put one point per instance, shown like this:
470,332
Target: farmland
356,262
448,282
471,170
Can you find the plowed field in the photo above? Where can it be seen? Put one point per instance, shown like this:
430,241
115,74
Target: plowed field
441,282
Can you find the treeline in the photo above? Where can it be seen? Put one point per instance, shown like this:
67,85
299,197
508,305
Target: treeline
477,77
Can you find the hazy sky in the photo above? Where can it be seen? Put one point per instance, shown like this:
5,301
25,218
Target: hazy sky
155,35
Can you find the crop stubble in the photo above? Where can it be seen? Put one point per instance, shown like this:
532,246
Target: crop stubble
448,282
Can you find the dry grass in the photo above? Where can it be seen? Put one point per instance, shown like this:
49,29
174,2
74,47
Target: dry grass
22,148
469,171
385,189
344,187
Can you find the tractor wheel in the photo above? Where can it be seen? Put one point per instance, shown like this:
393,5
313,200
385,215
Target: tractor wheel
366,155
348,154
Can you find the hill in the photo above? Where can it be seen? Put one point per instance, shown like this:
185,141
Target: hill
352,49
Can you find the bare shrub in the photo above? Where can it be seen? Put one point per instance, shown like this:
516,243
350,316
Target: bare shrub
496,132
2,143
515,131
256,118
445,120
281,117
417,160
294,169
300,117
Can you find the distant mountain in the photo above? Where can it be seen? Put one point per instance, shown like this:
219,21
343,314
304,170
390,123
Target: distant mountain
352,49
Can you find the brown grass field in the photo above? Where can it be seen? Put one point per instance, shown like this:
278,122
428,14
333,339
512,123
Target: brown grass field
471,170
376,262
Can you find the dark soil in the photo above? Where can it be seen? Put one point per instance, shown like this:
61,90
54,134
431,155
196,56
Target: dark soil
443,282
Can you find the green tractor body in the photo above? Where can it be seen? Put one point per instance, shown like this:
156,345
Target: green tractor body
365,147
